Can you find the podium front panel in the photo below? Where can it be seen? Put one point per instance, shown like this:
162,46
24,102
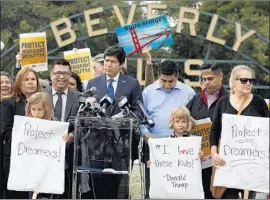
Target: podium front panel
102,157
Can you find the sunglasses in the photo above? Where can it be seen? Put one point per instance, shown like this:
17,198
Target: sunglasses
245,80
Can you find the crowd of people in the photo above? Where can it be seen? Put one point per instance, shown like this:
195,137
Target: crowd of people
171,104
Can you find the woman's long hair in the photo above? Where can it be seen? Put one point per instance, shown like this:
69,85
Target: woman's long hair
18,82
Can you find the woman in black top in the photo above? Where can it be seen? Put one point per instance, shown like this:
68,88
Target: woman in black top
5,92
25,85
241,82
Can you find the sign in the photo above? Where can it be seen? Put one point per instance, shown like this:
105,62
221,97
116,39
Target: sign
154,33
202,129
34,49
175,170
37,155
187,18
244,145
81,62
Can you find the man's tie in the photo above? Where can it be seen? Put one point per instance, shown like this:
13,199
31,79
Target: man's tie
110,89
58,106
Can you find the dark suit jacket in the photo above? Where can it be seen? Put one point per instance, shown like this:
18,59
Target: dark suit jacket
198,105
126,86
72,105
129,87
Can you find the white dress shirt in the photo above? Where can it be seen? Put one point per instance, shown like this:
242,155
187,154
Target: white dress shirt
114,83
64,101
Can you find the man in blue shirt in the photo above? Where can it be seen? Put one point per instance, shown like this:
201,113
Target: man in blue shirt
160,98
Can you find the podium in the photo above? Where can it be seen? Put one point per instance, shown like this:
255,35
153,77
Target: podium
102,157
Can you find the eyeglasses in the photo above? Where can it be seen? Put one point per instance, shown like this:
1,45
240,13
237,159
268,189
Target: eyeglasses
58,74
245,80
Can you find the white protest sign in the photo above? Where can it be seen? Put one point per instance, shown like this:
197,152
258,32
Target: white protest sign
175,171
244,146
37,155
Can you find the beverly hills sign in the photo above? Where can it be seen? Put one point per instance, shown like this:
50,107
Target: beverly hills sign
182,19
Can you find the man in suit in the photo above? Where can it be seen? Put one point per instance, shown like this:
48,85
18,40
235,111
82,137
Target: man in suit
66,105
115,84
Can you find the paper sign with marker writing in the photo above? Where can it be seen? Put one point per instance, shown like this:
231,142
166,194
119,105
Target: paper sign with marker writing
175,168
202,128
37,155
244,146
81,62
34,49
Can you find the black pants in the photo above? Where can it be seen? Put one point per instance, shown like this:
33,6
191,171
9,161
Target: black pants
105,186
231,193
206,181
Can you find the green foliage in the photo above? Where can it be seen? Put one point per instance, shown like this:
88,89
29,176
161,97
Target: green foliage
29,16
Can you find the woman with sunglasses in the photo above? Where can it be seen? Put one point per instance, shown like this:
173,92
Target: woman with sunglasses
242,80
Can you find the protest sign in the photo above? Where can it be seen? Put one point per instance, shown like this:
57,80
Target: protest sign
37,155
80,62
34,49
244,145
175,168
154,32
202,128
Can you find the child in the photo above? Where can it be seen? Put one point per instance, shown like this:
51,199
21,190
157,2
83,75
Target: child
181,122
39,106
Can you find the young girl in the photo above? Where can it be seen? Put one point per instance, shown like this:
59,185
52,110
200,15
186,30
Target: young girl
39,106
180,121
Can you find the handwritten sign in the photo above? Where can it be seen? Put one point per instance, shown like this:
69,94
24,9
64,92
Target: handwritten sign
244,146
37,155
202,128
154,33
34,49
81,62
175,168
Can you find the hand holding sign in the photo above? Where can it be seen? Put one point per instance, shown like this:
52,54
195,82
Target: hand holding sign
244,146
175,168
37,155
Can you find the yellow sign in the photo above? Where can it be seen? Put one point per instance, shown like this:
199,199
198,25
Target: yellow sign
81,62
202,129
34,49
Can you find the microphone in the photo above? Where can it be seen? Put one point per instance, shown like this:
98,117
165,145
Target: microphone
124,105
105,102
149,121
89,92
90,104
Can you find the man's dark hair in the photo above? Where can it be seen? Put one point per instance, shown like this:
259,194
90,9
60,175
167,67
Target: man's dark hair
61,62
168,68
211,66
116,51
